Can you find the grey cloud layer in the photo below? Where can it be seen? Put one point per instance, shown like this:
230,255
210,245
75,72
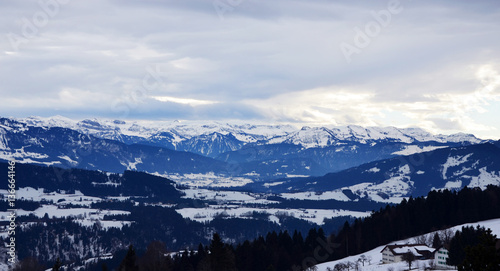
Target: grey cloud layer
257,61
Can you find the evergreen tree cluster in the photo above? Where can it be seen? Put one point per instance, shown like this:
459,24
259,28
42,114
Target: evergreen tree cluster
93,183
276,251
474,249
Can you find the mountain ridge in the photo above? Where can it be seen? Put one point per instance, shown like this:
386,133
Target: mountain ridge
403,176
248,133
256,152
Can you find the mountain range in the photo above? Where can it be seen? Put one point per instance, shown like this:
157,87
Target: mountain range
99,185
256,152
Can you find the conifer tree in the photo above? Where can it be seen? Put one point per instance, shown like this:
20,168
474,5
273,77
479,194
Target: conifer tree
129,262
221,256
436,241
29,264
482,256
57,265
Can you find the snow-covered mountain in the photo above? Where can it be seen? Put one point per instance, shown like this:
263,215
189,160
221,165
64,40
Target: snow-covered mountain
67,148
263,151
313,137
187,135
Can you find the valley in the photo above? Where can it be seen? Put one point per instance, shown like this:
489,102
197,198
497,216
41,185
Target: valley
117,183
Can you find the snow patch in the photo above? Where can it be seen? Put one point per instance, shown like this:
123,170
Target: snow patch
336,195
207,180
454,161
267,185
485,178
373,170
453,185
413,149
133,165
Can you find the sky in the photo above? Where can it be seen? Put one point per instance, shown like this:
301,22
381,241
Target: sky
428,64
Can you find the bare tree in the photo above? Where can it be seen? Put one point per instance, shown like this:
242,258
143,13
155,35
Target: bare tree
355,266
362,259
349,265
340,267
422,239
446,236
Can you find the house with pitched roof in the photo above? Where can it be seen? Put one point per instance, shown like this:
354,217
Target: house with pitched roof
394,253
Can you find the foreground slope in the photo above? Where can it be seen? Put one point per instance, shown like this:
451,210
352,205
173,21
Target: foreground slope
375,255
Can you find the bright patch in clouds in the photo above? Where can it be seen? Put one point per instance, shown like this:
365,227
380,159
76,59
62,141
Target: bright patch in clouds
192,102
320,106
440,113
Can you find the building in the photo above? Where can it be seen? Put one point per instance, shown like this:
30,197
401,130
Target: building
394,253
441,257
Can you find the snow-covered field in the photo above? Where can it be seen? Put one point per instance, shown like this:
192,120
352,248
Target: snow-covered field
336,195
207,180
78,198
313,215
226,197
84,215
376,256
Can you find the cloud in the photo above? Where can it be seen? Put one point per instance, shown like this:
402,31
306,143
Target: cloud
191,102
433,65
444,113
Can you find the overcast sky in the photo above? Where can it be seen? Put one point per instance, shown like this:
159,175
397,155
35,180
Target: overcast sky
428,64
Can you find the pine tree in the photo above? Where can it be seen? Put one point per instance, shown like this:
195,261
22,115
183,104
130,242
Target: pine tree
29,264
474,249
57,265
482,256
221,256
436,241
129,262
154,259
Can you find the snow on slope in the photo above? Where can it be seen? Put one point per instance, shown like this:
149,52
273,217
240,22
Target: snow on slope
397,186
376,256
454,161
412,149
485,178
3,141
180,130
323,136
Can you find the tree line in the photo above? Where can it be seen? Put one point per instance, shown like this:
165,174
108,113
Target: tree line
412,217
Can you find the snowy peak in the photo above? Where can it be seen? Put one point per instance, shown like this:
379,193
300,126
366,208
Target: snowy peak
322,136
308,137
211,144
327,149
